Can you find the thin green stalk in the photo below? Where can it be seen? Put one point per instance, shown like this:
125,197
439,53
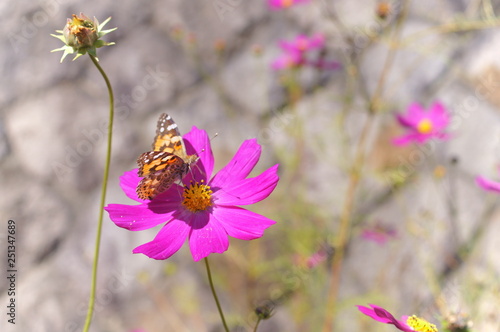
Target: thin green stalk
104,188
215,295
256,325
355,177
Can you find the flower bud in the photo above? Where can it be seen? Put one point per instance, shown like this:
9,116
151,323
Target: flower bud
265,311
80,32
82,35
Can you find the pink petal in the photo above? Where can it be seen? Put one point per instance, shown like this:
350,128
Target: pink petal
167,242
422,138
403,140
415,112
439,115
378,237
488,184
275,4
287,60
241,223
206,237
416,137
303,43
401,324
286,46
281,62
381,315
144,216
240,166
376,315
278,4
198,142
248,191
317,41
405,121
437,110
293,45
129,181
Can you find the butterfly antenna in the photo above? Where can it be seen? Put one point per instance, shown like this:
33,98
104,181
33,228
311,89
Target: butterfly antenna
210,141
198,154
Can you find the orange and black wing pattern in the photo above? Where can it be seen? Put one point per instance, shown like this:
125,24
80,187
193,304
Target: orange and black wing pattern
166,164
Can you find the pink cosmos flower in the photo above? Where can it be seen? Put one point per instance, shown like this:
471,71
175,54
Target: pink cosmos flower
288,60
314,260
422,124
378,233
296,53
488,184
302,43
205,211
282,4
406,323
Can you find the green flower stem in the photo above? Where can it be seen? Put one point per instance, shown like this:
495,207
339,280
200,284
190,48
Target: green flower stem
257,325
104,188
215,295
355,177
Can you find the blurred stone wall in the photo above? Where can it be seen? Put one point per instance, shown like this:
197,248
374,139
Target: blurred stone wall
166,58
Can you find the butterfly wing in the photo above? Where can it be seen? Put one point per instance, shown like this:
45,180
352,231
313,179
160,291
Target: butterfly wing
168,138
167,163
160,170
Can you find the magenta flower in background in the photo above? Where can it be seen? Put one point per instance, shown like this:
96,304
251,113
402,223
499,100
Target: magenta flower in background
205,211
282,4
488,184
407,323
288,60
422,124
381,315
315,259
302,43
378,233
296,53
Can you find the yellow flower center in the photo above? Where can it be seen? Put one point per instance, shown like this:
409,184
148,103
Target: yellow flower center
197,197
77,21
424,126
420,325
286,3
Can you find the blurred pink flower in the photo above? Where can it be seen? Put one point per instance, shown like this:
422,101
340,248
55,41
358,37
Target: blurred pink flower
296,53
282,4
205,210
488,184
422,124
288,60
316,259
378,233
323,254
406,323
302,43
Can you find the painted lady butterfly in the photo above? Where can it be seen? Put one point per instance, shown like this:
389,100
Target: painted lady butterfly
167,163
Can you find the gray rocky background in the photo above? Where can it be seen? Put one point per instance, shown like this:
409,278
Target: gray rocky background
52,145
